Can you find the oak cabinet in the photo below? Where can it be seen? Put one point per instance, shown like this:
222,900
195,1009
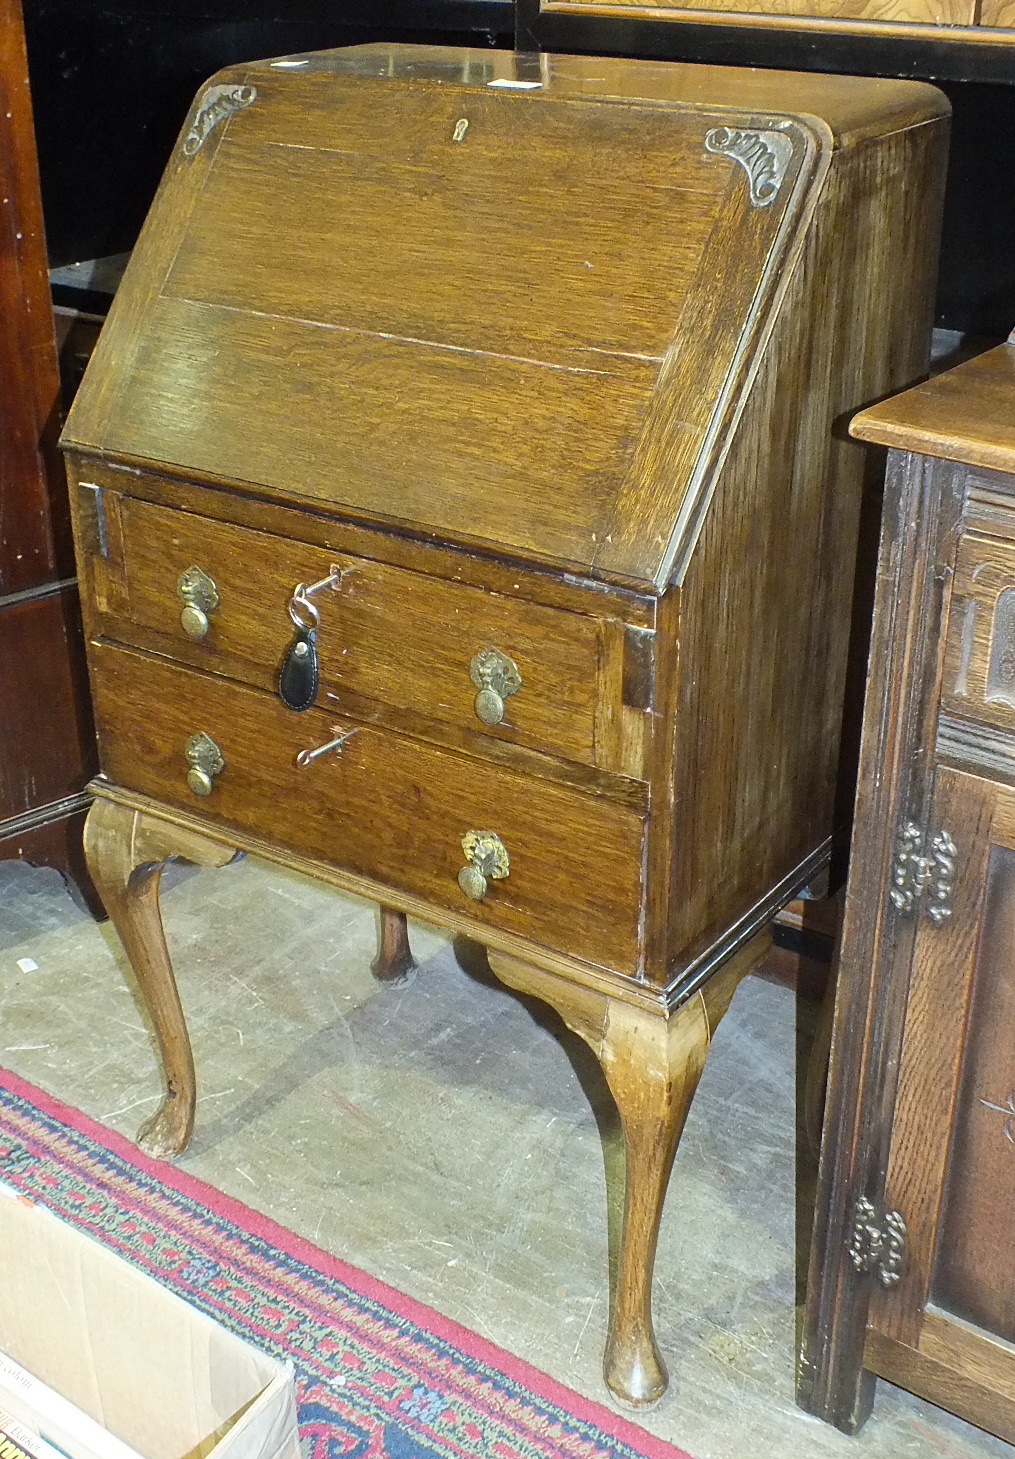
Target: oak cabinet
913,1274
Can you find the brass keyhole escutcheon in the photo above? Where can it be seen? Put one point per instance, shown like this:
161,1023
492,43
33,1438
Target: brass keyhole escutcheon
488,860
200,597
497,678
206,762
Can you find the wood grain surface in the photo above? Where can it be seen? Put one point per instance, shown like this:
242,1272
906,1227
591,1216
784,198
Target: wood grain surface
47,745
387,806
948,1384
558,368
968,24
499,572
973,1276
923,505
939,986
35,545
765,632
909,12
403,408
963,414
925,1129
126,855
366,656
735,750
997,13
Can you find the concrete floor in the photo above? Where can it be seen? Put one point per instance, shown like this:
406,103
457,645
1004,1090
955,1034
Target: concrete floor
450,1139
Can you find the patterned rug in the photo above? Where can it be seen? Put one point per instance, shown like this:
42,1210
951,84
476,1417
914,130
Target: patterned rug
380,1376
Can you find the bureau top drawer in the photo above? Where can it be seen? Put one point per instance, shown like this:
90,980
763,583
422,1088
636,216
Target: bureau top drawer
389,638
979,666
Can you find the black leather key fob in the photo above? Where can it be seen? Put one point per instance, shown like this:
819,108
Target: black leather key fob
299,676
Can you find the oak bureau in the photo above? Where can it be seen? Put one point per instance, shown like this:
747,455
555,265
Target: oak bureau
465,518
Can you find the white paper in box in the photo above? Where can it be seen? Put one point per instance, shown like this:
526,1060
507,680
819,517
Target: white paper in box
161,1377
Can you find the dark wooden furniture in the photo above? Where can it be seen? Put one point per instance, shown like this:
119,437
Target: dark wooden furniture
47,748
970,38
568,525
913,1273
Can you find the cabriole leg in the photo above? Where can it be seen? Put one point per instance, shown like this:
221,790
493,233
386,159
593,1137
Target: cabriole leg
126,851
394,961
653,1063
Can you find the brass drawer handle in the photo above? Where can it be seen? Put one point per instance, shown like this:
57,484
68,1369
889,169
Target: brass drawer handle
488,860
205,763
497,678
200,597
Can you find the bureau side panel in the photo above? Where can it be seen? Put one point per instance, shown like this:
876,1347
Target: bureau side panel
765,612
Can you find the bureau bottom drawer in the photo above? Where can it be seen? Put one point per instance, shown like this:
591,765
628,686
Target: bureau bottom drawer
384,806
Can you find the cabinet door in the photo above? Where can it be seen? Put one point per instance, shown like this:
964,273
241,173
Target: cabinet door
947,1328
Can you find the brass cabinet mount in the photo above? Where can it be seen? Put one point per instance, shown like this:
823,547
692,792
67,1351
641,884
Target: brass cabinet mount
497,678
206,762
200,597
487,858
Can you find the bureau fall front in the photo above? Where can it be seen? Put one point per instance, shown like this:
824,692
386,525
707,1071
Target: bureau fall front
465,518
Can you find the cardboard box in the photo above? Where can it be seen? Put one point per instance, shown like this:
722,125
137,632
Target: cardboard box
159,1376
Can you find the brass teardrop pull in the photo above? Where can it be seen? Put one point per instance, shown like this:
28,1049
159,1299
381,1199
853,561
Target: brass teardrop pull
497,678
200,597
488,860
205,763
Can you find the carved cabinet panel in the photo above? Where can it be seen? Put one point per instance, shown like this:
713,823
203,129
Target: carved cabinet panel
979,678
